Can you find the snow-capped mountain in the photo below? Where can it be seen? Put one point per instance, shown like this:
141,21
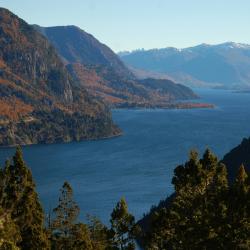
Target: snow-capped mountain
224,65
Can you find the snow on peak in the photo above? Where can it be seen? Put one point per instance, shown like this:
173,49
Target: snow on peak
233,45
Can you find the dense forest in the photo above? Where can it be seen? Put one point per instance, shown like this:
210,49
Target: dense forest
205,212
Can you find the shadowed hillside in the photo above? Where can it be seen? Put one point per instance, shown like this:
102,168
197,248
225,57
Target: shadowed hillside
237,156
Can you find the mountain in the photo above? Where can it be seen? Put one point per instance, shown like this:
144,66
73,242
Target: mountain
39,100
77,46
225,65
97,68
237,156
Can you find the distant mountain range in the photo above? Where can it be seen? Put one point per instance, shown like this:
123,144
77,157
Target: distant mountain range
98,69
224,65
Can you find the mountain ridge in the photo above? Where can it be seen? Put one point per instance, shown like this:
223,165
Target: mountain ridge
103,74
223,65
82,47
228,43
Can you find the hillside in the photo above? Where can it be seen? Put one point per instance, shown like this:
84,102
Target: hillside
40,102
225,65
237,156
77,46
103,74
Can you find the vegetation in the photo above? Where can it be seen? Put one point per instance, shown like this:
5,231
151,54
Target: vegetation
40,102
22,220
123,228
20,205
236,157
206,212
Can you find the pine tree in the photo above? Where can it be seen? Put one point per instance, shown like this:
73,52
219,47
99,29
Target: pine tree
9,232
21,199
99,234
81,238
195,217
241,179
238,232
122,227
66,214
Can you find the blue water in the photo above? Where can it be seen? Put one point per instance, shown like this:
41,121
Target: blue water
138,165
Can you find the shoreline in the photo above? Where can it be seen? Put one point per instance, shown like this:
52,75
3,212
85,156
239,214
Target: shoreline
63,142
191,105
184,106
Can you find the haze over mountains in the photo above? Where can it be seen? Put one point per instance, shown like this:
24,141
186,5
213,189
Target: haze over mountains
59,90
103,74
224,65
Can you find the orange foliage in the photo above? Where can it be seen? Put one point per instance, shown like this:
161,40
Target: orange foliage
2,64
13,108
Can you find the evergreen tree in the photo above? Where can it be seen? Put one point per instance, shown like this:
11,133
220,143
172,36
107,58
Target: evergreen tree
81,238
99,234
238,232
66,214
122,227
21,199
197,216
9,232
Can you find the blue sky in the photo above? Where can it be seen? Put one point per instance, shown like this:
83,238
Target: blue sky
133,24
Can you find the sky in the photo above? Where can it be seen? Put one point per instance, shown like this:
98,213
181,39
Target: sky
135,24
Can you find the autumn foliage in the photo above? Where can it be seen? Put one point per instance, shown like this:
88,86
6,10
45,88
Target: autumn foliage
14,108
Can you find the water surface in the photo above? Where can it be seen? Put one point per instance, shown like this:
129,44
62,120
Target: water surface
138,165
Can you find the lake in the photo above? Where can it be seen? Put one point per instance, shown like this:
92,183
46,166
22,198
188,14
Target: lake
138,165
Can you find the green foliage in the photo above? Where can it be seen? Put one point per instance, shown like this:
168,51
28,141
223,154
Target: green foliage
81,238
123,227
64,223
9,232
206,212
99,234
20,200
68,233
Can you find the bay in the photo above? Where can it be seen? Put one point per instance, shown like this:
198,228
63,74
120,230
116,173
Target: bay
138,165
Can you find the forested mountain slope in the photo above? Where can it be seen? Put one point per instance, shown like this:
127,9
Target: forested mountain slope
40,102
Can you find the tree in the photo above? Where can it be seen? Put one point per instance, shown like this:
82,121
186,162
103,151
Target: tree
9,232
122,227
238,232
196,218
21,200
99,234
81,238
66,214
